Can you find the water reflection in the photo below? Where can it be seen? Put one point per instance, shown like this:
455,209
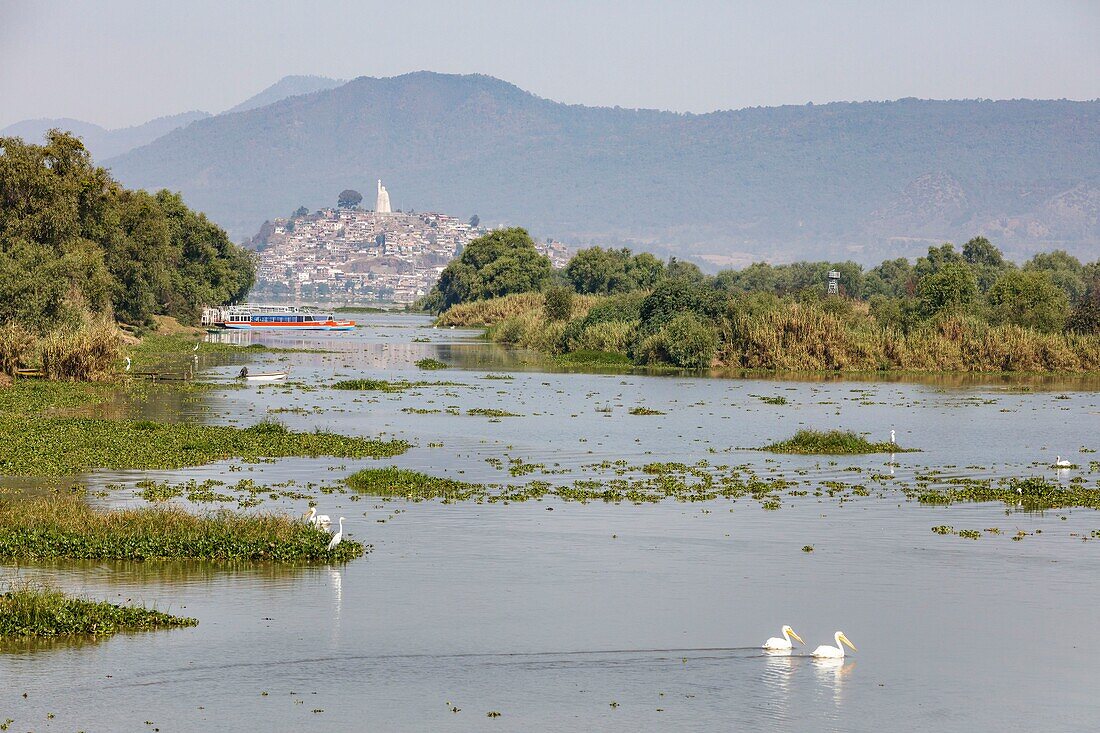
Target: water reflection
832,673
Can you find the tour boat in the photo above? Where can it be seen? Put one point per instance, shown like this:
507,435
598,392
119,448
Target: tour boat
243,317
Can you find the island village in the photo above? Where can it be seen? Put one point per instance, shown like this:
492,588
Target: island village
349,254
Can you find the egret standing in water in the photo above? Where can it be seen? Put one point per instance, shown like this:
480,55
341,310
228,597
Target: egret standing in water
340,535
834,652
782,643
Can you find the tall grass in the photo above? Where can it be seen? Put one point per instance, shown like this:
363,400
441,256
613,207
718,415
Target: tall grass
86,354
17,346
787,335
35,610
64,526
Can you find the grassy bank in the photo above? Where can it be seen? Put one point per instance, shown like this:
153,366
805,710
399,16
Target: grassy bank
64,526
832,442
29,610
773,334
55,446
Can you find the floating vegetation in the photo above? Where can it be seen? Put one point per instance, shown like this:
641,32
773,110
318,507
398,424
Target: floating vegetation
429,364
497,376
807,548
32,610
64,526
382,385
43,446
156,344
419,411
587,357
398,482
777,400
644,411
833,442
491,412
1033,493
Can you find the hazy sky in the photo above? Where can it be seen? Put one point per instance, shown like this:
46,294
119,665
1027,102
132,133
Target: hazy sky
121,63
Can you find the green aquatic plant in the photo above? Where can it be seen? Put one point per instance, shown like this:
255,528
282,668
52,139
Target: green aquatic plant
491,412
644,411
779,400
832,442
382,385
35,610
398,482
64,526
46,446
429,364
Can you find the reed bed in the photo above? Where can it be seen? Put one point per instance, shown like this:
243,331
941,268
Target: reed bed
86,353
64,526
785,336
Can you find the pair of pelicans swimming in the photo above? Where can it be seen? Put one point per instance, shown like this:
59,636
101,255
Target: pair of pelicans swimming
783,644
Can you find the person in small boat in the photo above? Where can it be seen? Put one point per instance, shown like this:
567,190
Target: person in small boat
243,374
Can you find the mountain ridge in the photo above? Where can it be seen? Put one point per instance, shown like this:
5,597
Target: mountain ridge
865,178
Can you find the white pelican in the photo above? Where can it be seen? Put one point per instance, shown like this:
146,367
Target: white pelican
782,642
1062,463
834,652
340,535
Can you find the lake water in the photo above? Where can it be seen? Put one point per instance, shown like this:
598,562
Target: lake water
567,616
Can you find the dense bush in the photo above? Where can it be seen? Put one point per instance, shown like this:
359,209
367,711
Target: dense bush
499,263
558,303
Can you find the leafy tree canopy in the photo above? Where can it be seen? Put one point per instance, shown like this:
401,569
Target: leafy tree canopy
72,240
349,199
501,262
1029,298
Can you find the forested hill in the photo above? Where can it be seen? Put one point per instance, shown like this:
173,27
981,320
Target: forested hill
869,180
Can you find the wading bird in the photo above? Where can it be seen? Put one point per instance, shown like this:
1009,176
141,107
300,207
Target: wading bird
317,520
1062,463
834,652
892,436
782,642
127,363
340,535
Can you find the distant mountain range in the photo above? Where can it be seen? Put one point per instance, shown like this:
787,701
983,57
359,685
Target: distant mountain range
862,180
104,143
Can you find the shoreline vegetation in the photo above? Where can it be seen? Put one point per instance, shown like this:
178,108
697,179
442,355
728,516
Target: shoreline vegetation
63,526
32,610
950,311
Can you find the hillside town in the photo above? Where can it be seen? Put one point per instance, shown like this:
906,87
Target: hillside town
348,254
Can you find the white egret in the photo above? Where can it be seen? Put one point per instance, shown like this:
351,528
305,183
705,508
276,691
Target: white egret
782,642
340,535
195,347
1062,463
127,363
834,652
321,521
892,436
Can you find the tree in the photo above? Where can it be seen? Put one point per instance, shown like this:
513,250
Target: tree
501,262
986,261
892,278
1066,270
937,259
559,303
607,271
951,286
73,241
1085,317
349,199
475,220
1029,298
688,342
303,211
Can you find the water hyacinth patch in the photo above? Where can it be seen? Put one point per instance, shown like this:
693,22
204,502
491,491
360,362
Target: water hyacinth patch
833,442
42,446
30,610
64,526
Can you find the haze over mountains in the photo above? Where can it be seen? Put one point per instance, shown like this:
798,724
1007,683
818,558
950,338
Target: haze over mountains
861,180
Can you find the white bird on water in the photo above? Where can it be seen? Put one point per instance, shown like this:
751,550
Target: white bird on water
1062,463
321,521
340,535
782,642
834,652
892,436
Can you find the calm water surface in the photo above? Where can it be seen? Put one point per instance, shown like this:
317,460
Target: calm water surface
564,616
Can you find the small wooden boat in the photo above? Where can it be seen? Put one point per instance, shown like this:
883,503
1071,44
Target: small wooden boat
261,376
